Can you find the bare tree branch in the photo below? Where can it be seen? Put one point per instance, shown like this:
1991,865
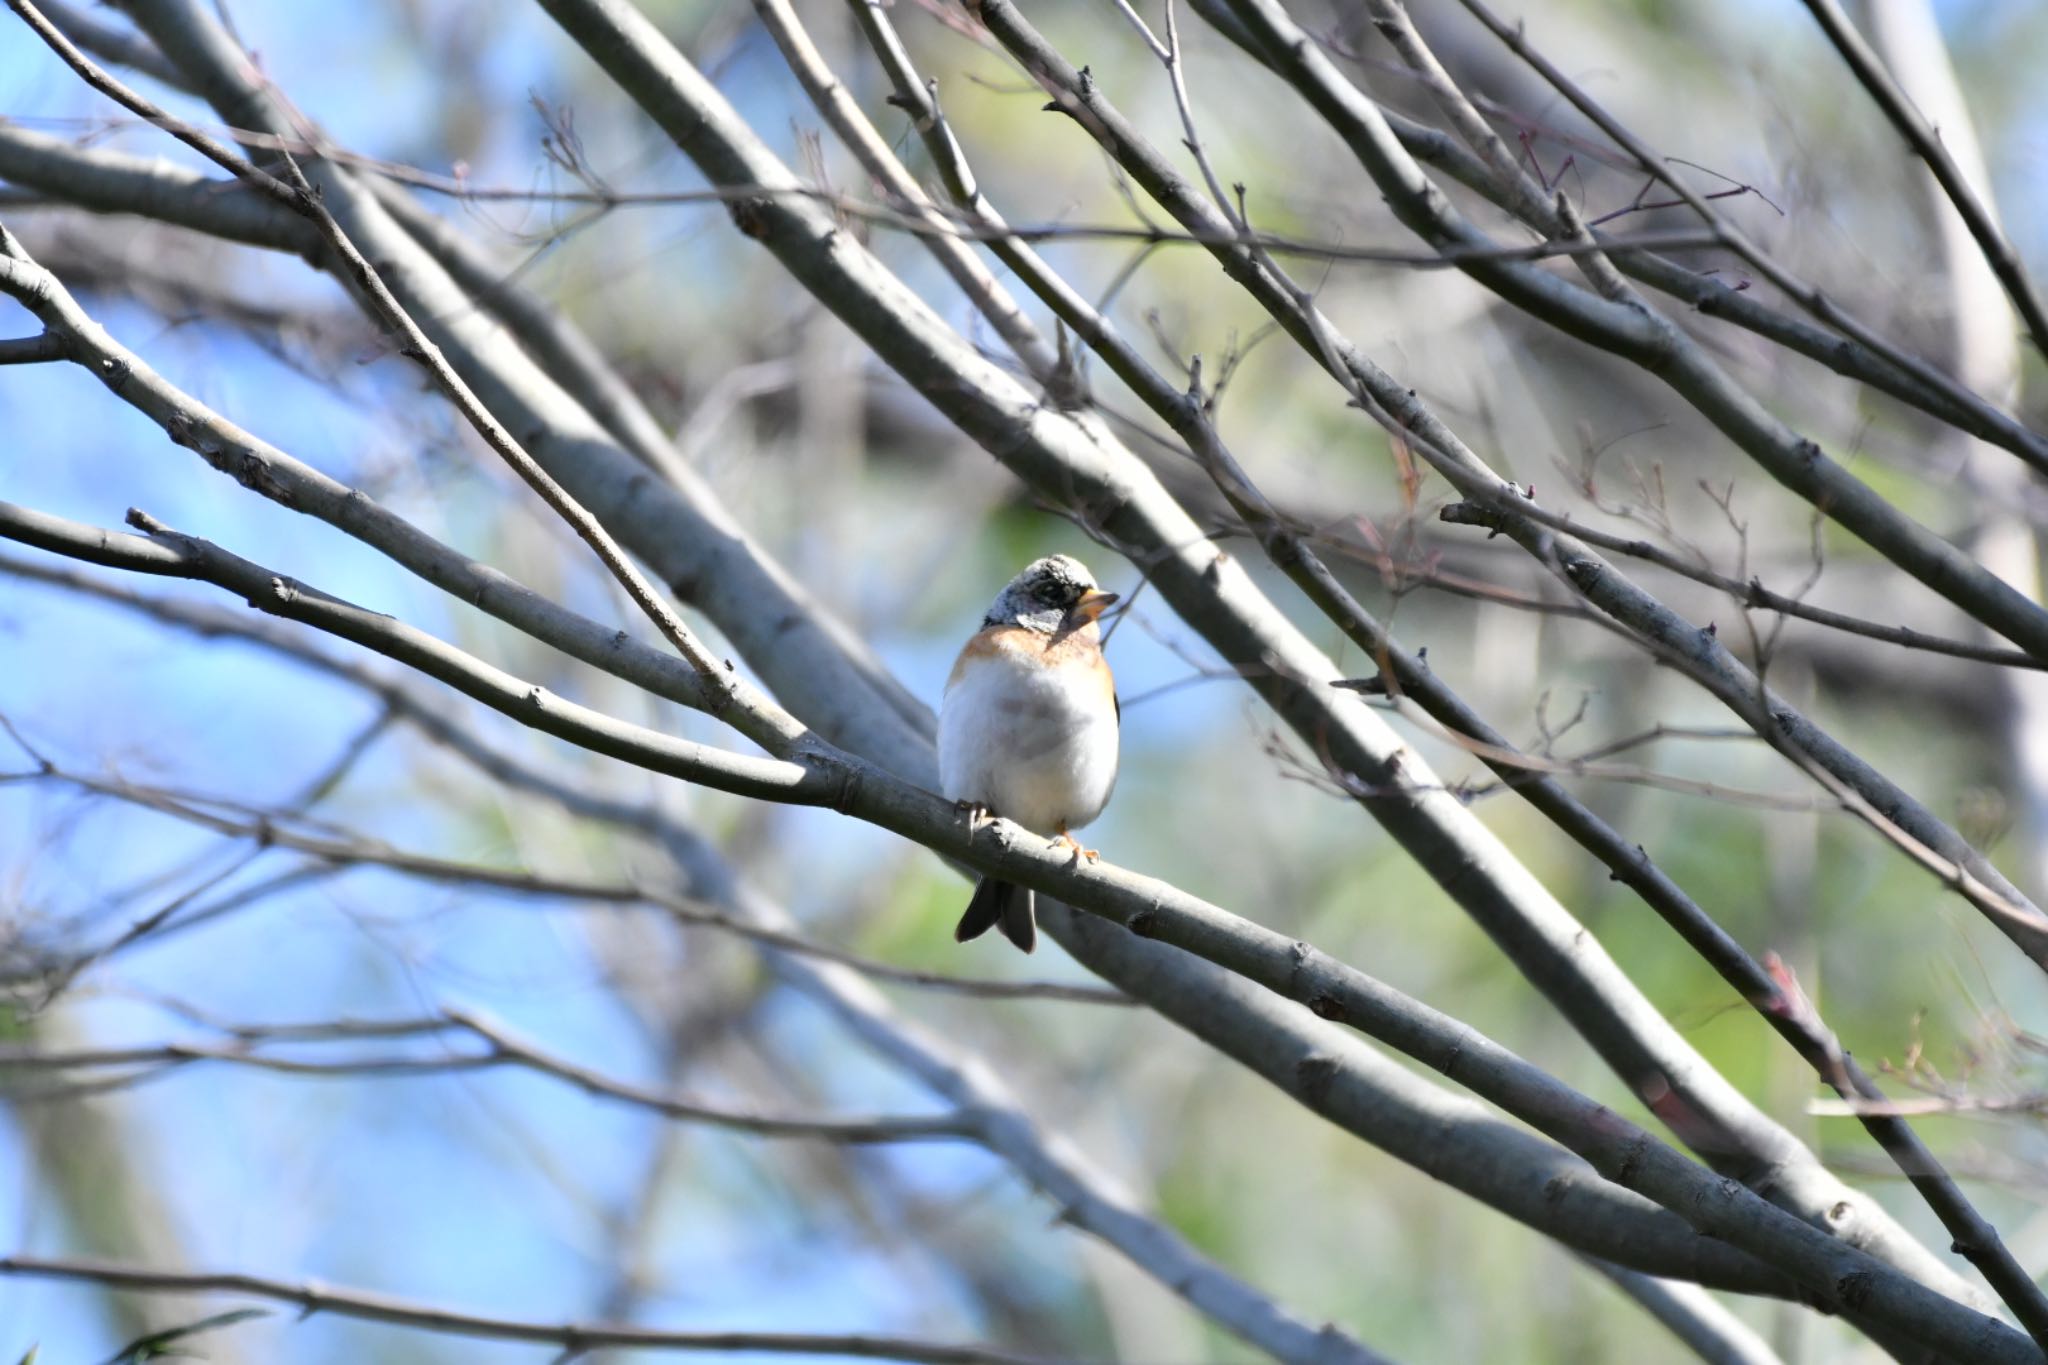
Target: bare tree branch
675,96
575,1338
1752,593
169,554
107,181
38,159
1618,1193
1187,414
838,107
1333,1074
1926,144
501,1049
123,47
267,470
1620,1150
1887,367
268,831
857,788
35,350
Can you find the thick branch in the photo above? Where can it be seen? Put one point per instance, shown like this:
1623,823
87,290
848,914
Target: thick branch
103,180
1095,476
1573,975
1326,1069
123,47
35,350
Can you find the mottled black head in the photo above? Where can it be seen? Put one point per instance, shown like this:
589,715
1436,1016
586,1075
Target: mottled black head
1051,593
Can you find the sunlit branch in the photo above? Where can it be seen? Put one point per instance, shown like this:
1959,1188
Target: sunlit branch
1336,1076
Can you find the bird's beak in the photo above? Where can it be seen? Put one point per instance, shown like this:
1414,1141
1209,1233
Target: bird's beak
1093,605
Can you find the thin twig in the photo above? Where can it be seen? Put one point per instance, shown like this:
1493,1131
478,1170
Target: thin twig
1751,593
266,831
1926,144
572,1337
502,1049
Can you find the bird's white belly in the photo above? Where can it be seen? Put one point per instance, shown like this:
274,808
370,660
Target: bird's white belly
1031,744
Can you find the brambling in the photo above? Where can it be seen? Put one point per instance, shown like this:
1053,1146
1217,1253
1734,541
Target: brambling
1028,726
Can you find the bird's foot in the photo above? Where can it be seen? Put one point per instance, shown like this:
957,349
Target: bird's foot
977,813
1066,840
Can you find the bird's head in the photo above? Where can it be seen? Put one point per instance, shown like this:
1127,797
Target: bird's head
1051,594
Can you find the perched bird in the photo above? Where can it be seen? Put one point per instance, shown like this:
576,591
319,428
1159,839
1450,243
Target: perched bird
1028,727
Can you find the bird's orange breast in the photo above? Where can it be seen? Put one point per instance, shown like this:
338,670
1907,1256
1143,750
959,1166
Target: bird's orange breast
1079,650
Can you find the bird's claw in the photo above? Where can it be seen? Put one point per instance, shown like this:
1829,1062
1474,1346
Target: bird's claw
1066,840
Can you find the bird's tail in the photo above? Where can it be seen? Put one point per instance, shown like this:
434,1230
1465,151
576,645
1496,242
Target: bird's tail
1007,905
